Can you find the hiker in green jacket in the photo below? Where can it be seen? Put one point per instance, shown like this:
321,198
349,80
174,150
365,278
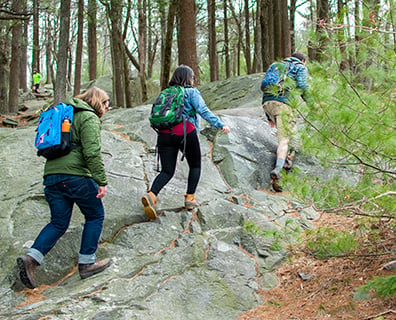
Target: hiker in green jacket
36,81
76,178
280,115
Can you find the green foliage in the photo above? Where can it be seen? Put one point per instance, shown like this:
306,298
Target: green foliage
383,286
350,126
324,243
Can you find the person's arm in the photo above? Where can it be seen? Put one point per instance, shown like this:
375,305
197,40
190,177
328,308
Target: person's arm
202,109
91,148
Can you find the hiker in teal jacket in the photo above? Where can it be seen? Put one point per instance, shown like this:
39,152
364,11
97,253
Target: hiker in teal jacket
279,113
78,177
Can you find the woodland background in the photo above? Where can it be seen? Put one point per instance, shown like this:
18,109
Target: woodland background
351,47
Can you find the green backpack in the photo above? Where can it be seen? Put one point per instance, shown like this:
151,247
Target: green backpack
167,110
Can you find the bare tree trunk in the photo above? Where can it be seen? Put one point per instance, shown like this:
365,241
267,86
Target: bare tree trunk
79,48
23,62
323,17
117,49
340,37
247,38
212,47
36,36
226,41
92,44
142,45
62,56
278,44
257,62
266,22
187,41
4,71
293,10
240,35
285,27
166,62
48,50
13,97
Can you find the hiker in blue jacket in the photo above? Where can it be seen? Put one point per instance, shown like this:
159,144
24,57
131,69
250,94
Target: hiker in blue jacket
170,143
280,115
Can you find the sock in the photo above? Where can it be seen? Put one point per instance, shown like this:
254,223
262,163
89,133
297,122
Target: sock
279,163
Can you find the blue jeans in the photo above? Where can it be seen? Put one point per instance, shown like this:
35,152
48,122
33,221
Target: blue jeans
61,192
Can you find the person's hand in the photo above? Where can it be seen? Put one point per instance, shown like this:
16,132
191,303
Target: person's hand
101,192
225,129
271,124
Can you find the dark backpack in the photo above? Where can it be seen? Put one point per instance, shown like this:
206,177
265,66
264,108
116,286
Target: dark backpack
53,134
276,75
167,110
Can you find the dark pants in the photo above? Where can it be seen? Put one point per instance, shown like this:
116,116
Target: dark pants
61,192
169,146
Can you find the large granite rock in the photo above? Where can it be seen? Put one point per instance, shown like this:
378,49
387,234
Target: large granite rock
202,264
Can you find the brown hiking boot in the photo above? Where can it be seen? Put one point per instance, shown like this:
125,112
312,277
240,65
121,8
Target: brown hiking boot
87,270
190,202
276,175
27,268
149,202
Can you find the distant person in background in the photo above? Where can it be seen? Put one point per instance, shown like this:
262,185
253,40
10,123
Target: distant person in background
36,81
76,178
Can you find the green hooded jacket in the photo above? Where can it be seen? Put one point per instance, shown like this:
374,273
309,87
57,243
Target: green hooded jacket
85,160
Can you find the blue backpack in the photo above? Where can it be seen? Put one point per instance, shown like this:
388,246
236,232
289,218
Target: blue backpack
276,75
53,134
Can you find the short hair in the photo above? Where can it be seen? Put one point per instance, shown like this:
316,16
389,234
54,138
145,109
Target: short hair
300,56
182,76
96,98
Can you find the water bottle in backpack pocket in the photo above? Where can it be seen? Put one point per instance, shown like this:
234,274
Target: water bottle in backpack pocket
54,132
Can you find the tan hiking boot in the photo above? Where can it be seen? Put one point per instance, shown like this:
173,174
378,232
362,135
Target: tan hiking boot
190,202
87,270
149,202
27,268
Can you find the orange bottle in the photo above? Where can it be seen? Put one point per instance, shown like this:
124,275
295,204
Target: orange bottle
66,125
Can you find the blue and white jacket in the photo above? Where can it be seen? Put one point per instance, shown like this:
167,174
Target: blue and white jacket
193,101
299,73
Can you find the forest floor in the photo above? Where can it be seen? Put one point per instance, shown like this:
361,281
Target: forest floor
329,292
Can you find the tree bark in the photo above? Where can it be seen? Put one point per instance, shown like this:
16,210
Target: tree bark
48,50
266,22
142,45
4,71
62,56
79,48
226,41
114,10
247,38
92,43
257,61
23,62
36,36
13,97
187,40
212,45
167,54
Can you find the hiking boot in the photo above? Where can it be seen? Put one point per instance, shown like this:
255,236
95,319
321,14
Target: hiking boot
190,202
87,270
149,202
27,268
289,160
276,175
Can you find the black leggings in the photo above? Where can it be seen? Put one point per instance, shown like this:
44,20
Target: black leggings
168,149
